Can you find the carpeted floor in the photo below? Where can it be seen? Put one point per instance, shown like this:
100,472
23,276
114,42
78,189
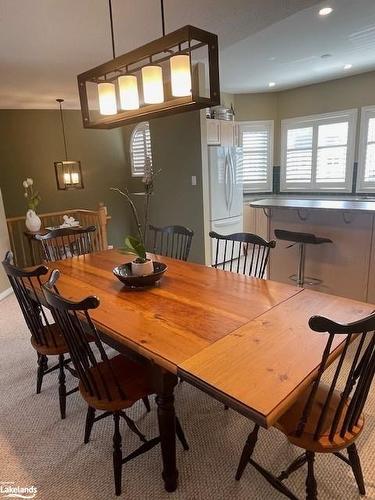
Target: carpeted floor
39,449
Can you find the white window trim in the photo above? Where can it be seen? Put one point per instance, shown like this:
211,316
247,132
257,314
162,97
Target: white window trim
367,112
136,129
264,187
319,119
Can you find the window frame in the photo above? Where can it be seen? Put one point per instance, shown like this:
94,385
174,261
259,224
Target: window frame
264,187
314,121
367,112
140,126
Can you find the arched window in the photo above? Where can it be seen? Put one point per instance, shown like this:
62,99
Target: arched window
140,148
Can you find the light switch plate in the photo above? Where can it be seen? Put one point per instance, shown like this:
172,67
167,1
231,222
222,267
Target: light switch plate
193,180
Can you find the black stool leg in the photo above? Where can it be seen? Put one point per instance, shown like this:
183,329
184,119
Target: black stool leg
62,387
117,454
301,265
356,467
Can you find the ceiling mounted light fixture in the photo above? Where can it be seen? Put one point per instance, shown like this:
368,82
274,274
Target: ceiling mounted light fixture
175,73
325,11
271,84
348,66
68,172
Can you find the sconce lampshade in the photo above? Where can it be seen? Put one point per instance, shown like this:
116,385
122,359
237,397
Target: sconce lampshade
107,98
180,75
152,79
68,175
128,88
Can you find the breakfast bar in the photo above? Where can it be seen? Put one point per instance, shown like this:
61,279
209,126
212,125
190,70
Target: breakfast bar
344,267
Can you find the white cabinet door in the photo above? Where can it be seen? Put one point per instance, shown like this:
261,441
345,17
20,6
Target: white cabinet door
227,133
213,132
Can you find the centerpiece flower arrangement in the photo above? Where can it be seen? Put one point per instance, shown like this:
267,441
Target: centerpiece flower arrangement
141,265
33,222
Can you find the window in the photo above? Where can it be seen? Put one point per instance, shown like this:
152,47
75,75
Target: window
140,148
366,152
256,140
317,152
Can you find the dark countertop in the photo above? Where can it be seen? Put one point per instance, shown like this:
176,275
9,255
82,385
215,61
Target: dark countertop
296,202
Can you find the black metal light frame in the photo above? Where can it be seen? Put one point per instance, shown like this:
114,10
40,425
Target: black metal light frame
182,41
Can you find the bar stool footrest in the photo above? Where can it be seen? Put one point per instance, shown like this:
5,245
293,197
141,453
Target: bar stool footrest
308,280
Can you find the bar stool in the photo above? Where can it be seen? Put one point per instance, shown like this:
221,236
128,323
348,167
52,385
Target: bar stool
302,239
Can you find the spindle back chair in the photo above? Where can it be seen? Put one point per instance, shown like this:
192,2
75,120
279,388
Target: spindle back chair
107,384
46,338
243,253
171,241
67,242
329,416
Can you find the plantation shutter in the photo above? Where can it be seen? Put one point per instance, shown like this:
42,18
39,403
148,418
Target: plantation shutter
366,152
140,148
317,152
256,142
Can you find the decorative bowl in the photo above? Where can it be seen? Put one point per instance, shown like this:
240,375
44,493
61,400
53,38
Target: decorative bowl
125,275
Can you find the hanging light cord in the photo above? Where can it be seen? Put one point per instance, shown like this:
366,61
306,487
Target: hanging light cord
112,34
162,17
60,101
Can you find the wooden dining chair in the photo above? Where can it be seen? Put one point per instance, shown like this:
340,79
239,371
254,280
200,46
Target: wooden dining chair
243,253
328,418
111,385
46,337
171,241
66,242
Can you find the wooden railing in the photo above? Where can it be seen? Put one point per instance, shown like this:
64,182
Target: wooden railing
27,252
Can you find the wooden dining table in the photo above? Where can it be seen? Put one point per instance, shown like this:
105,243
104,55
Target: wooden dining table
242,340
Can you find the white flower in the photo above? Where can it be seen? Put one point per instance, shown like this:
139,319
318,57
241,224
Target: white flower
25,184
29,181
25,194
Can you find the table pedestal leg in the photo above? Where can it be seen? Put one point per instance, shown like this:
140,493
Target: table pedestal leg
164,384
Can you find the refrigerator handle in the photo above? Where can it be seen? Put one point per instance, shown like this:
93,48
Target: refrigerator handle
232,180
227,194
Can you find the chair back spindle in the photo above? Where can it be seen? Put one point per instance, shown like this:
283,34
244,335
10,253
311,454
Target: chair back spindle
64,243
24,284
342,406
171,241
92,366
243,253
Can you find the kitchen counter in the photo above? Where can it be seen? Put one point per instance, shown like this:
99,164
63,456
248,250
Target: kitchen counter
347,205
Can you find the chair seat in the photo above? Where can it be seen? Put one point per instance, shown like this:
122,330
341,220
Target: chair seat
133,379
55,342
297,237
288,423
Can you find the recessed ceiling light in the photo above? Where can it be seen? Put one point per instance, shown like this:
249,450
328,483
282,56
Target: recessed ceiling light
325,11
271,84
348,66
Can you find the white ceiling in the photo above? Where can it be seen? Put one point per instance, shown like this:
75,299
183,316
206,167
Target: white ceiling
44,44
289,52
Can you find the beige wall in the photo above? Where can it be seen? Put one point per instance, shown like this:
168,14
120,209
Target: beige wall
344,93
4,246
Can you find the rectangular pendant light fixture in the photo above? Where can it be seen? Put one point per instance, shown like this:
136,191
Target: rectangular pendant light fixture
68,175
175,73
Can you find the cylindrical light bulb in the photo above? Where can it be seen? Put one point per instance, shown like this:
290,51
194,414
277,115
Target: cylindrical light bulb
67,178
152,80
128,88
107,98
180,75
75,177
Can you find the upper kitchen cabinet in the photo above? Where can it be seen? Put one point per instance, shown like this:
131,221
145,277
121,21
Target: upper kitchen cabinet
221,133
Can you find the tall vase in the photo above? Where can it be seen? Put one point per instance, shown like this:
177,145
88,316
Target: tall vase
33,222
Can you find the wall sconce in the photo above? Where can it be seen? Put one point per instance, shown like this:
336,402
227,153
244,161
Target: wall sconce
68,172
68,175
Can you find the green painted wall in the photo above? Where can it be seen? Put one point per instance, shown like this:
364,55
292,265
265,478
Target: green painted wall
31,141
176,149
